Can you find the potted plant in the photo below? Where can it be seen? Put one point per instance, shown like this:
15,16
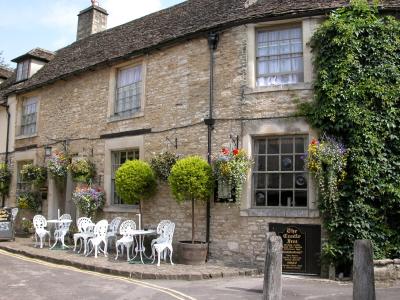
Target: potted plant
89,200
57,165
36,175
230,170
82,170
135,181
5,177
191,179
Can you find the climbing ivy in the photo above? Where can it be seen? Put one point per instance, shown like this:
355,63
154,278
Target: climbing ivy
357,101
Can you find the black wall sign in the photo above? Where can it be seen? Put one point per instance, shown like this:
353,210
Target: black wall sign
301,247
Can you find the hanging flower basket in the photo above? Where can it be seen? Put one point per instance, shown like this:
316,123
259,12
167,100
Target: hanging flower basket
230,169
58,165
89,200
326,160
82,170
34,174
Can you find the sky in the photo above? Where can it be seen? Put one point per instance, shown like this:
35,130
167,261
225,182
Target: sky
27,24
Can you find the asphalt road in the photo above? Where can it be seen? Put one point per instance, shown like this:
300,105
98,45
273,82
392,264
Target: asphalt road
25,278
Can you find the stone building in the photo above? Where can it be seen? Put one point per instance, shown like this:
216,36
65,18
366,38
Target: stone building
197,75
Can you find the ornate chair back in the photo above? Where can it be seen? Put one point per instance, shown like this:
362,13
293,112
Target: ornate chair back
127,227
168,232
161,225
14,213
100,229
81,221
39,222
115,224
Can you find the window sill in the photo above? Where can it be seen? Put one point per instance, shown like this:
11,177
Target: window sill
278,88
122,209
21,137
280,212
114,118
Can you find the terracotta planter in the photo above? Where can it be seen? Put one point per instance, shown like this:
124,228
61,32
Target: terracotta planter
192,254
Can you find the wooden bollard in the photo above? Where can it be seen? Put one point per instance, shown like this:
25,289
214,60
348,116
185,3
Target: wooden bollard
363,271
273,269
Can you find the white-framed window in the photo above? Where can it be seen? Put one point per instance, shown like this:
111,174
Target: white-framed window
29,116
128,91
279,176
279,56
23,70
117,159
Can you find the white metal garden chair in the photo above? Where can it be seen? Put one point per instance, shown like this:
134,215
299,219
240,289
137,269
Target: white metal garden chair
39,222
113,229
164,243
126,230
160,228
100,233
61,232
14,212
85,227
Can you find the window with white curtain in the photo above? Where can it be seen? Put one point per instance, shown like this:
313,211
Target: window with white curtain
29,113
279,56
128,91
23,70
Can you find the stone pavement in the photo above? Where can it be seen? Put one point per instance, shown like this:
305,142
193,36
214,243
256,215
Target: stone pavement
120,267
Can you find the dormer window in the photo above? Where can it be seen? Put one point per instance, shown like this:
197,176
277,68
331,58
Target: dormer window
23,70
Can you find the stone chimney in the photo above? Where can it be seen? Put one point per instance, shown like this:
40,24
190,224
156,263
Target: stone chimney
91,20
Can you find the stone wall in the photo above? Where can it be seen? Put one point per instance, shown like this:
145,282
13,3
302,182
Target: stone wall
176,95
387,270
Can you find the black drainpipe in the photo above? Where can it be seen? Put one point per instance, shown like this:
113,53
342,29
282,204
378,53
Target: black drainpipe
3,200
213,39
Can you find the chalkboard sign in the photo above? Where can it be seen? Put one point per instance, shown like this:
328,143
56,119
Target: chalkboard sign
301,247
6,225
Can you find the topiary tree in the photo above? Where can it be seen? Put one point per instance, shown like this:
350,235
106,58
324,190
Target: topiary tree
357,101
135,181
191,178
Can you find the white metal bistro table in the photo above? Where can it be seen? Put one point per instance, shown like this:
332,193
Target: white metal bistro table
56,222
139,238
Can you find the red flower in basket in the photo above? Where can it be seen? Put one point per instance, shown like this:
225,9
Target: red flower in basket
314,142
225,151
235,152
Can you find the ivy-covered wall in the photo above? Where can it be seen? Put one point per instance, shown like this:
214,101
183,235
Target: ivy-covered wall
357,101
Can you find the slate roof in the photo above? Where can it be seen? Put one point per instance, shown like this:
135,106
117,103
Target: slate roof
38,53
171,25
5,72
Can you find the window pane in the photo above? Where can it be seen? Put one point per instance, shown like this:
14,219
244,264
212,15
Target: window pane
287,180
260,147
273,146
273,198
287,145
299,162
260,198
287,198
260,180
273,163
260,163
301,181
286,163
273,181
301,198
300,145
